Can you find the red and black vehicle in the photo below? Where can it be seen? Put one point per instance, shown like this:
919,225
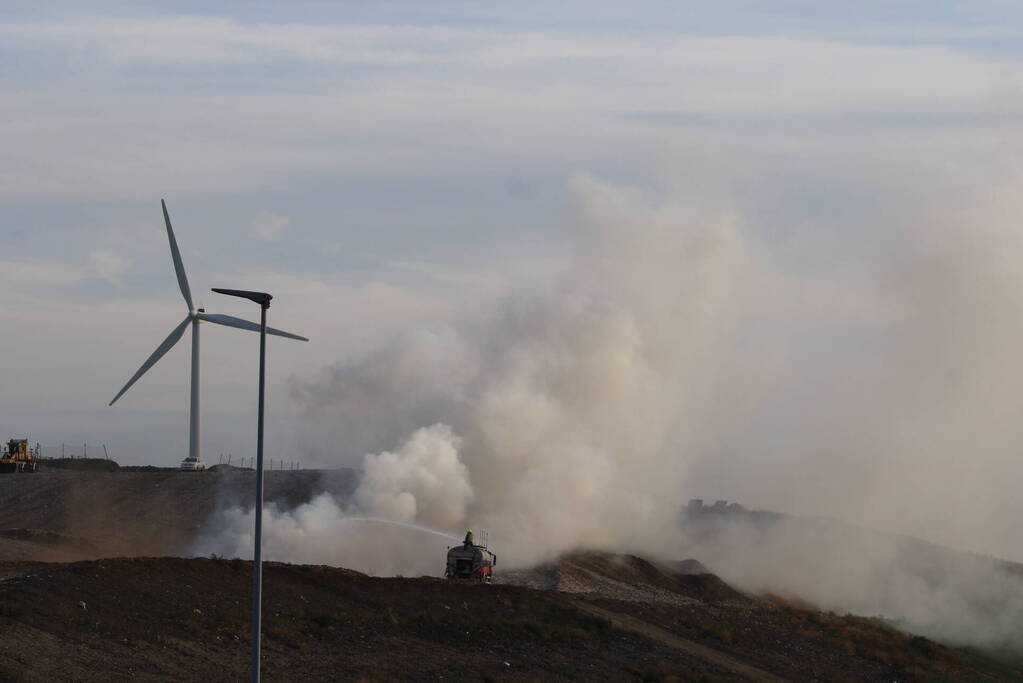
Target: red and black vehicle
470,562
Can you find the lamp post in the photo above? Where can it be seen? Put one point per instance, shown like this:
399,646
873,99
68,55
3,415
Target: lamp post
263,299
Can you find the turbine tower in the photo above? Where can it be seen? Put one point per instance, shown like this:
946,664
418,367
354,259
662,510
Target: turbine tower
193,318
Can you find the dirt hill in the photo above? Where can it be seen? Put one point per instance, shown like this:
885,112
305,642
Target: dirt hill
178,619
592,616
138,513
627,577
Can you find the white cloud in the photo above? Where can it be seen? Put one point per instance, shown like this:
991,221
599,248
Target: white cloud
33,274
477,278
332,247
191,39
109,266
268,226
440,99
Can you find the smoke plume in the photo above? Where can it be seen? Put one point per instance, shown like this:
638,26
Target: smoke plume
680,350
424,479
562,419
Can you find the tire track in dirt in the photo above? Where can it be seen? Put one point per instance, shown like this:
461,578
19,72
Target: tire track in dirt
688,647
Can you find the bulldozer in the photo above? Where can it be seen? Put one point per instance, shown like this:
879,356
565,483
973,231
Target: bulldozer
18,457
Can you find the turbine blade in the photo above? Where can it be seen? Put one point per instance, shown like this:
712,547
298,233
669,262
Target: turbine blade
179,267
232,321
163,348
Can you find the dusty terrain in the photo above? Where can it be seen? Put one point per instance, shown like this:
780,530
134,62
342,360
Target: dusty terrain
175,619
137,513
78,602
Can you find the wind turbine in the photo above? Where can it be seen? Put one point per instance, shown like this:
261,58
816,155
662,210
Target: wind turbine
193,318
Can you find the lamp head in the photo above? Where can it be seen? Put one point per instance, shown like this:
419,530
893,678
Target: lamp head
261,298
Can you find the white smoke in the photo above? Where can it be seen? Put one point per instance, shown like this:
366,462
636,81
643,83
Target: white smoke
424,480
568,413
564,418
953,596
674,347
323,531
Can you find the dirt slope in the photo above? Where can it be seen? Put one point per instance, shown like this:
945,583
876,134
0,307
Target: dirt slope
181,619
678,602
118,512
627,577
596,616
176,619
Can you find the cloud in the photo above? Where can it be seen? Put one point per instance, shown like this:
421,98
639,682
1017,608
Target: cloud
268,226
332,247
32,274
109,266
485,280
437,99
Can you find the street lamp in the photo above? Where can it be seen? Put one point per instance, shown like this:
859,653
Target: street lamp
263,299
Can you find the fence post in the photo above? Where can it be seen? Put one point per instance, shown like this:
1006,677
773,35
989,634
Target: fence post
105,452
62,450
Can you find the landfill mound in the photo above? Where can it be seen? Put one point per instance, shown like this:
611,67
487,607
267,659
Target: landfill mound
138,513
627,577
188,619
79,464
586,615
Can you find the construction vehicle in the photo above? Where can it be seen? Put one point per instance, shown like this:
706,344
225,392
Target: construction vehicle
18,457
471,562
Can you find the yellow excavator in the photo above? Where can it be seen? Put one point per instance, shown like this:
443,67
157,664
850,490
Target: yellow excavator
18,457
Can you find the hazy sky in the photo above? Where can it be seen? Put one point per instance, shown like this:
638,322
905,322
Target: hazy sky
391,166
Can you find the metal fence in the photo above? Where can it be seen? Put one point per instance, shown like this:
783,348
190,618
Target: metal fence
250,461
71,450
87,450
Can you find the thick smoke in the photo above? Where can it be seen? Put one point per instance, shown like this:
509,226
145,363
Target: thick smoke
322,531
678,351
424,479
953,596
562,419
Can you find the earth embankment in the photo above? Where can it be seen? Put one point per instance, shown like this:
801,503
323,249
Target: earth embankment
137,513
188,619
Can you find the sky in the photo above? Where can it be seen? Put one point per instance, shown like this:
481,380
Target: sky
388,169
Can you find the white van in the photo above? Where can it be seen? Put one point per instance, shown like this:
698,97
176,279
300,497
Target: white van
192,465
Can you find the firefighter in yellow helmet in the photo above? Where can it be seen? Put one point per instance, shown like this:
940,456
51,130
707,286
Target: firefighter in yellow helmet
468,537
